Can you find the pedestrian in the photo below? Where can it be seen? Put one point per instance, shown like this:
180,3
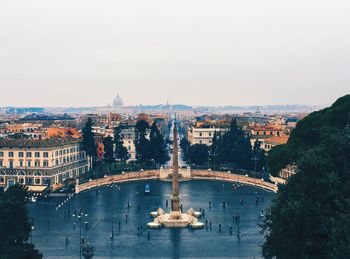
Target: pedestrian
219,227
119,224
210,224
148,234
166,203
67,241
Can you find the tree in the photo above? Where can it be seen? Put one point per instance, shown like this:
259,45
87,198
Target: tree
232,147
15,225
108,155
121,152
199,154
88,143
258,157
307,134
185,147
142,144
157,145
310,215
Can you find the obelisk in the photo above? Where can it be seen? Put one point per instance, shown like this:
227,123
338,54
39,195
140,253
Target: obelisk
175,198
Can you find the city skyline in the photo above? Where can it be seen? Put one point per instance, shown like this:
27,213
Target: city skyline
195,53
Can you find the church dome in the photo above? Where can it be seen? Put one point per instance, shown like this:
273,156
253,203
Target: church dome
118,101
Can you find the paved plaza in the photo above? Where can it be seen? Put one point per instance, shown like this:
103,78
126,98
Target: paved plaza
131,239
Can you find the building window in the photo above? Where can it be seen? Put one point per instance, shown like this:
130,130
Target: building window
37,163
209,134
46,163
21,154
29,163
37,181
1,154
29,154
11,164
200,134
46,154
11,154
21,163
2,179
56,152
21,180
1,163
37,154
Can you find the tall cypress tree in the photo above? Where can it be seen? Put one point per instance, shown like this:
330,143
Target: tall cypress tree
157,145
88,143
108,155
121,151
142,144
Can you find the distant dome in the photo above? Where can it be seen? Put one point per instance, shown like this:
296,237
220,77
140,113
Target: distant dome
118,101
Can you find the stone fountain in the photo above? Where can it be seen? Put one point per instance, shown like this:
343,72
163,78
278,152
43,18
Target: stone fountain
175,218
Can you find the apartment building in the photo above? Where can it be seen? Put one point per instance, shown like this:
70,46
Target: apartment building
40,162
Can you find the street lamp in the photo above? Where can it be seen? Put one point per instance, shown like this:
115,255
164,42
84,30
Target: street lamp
255,158
80,216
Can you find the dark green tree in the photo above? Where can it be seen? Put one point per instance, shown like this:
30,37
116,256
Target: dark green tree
307,134
185,147
142,144
199,154
108,155
157,145
15,225
310,215
258,157
88,143
233,147
121,151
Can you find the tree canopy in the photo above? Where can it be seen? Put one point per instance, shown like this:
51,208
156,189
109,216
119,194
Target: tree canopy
15,225
310,215
88,143
157,145
121,151
307,134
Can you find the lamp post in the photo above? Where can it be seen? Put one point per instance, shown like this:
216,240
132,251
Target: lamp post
80,216
255,158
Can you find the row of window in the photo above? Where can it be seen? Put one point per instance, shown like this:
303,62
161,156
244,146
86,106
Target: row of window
38,154
45,162
28,154
264,133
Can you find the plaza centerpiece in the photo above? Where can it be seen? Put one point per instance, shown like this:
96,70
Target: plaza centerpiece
175,218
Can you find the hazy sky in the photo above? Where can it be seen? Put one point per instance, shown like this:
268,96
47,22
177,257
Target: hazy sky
198,52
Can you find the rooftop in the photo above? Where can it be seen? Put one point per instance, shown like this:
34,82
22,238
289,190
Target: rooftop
36,143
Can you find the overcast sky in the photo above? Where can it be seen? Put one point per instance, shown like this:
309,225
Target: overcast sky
197,52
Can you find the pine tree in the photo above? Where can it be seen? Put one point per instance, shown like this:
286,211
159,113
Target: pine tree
88,143
15,225
108,155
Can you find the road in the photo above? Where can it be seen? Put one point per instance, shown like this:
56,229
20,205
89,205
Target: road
182,163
